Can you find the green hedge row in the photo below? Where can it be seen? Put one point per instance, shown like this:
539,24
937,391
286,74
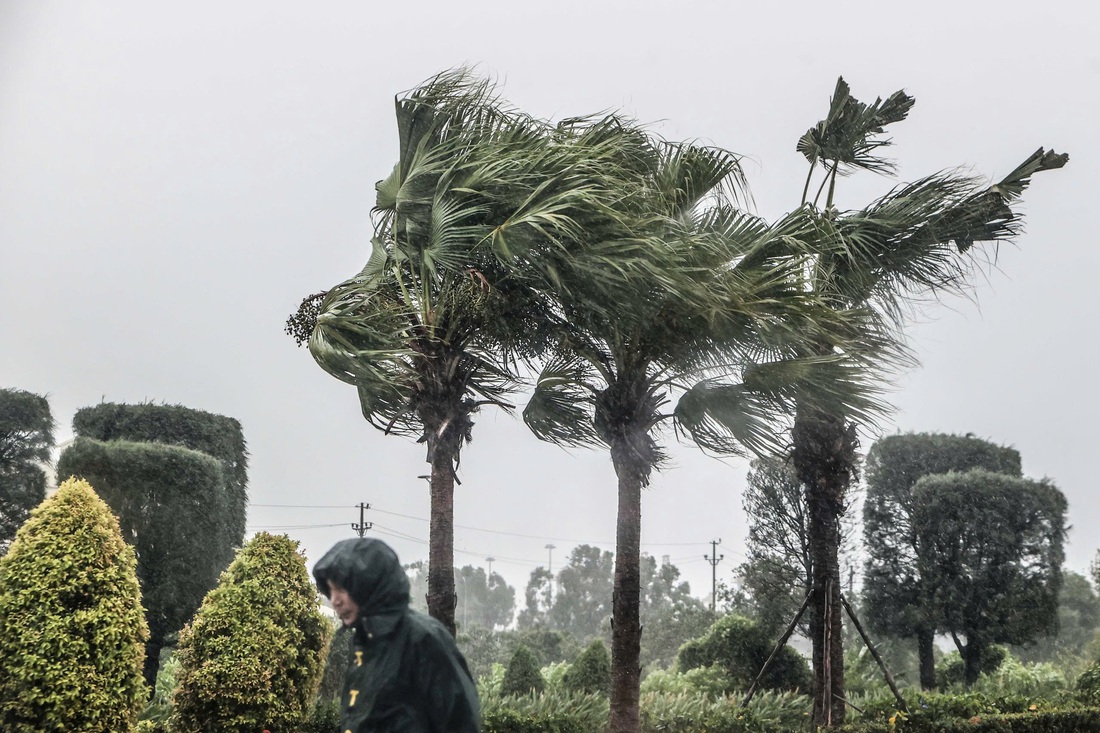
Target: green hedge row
509,721
1084,720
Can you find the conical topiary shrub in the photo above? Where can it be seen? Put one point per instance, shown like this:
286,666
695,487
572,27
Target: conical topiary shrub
591,672
522,675
72,630
252,658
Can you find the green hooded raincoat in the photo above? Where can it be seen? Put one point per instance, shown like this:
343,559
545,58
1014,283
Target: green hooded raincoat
406,675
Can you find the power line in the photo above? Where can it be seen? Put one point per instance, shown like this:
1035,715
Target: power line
293,526
477,529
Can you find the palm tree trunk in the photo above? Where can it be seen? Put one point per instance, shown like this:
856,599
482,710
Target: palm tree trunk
626,628
441,538
824,455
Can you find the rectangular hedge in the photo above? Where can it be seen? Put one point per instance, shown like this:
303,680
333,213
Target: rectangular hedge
1083,720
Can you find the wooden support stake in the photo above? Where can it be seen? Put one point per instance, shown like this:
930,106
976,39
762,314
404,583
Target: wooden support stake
874,653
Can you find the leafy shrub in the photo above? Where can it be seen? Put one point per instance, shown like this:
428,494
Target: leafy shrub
741,647
252,657
591,672
553,673
522,675
711,682
1013,677
489,685
1084,720
951,671
509,721
689,714
545,711
1088,684
975,712
72,632
159,707
336,663
324,717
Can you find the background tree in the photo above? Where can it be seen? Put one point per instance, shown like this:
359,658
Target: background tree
887,256
778,570
430,330
538,599
893,587
71,627
26,439
253,656
181,508
1078,622
485,601
670,615
991,558
582,599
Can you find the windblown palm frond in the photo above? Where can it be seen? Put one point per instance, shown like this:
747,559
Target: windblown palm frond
909,241
745,418
562,406
848,136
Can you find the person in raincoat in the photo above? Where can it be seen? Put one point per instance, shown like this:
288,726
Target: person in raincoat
405,674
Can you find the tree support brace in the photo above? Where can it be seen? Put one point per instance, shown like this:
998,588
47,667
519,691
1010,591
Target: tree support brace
874,653
778,646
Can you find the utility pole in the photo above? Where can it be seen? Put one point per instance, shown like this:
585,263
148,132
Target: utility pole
550,568
363,526
714,558
490,561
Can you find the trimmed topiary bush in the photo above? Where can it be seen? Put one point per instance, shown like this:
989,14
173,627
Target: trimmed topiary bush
522,675
72,631
252,658
173,507
591,673
741,647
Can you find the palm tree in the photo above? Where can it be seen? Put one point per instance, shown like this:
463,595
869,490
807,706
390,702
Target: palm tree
914,242
724,306
448,304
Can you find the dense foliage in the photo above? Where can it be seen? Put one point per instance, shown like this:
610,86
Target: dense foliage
777,572
522,675
71,626
991,557
590,673
893,586
1078,622
173,508
26,438
215,435
252,658
740,647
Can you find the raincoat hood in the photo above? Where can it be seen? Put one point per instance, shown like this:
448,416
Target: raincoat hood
369,571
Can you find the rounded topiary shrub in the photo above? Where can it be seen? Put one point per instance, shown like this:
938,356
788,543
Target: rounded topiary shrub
591,672
252,658
522,675
740,647
72,630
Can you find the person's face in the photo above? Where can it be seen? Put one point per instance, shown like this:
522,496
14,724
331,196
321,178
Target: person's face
346,608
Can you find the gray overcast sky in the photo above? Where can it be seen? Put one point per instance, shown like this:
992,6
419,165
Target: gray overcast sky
174,178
